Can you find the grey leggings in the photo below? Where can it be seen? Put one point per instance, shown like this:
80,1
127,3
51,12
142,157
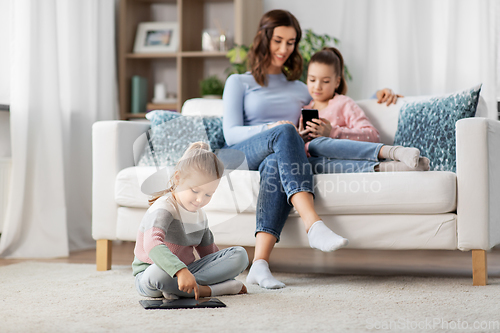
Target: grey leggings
213,268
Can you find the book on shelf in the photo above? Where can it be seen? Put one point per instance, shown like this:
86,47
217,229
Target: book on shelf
139,94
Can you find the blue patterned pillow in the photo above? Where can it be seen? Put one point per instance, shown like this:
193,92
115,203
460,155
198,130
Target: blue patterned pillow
158,117
429,125
171,134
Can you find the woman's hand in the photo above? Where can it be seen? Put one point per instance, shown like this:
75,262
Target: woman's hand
387,95
281,122
187,282
319,127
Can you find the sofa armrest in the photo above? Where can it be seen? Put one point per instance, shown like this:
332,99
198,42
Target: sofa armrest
478,183
112,151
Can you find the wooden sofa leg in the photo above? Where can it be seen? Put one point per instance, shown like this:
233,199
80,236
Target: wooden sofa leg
103,254
479,268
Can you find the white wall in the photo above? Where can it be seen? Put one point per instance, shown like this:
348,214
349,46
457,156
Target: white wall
371,64
323,17
4,51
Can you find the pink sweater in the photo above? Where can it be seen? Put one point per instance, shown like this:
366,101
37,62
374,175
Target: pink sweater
348,121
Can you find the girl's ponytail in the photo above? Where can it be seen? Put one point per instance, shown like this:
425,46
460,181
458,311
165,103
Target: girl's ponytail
342,88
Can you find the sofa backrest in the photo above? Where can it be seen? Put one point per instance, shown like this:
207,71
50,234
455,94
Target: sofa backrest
203,107
384,118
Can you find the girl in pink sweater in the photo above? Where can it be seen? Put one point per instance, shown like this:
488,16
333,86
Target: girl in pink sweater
343,139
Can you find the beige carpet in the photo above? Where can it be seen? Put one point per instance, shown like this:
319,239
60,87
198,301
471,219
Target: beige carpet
55,297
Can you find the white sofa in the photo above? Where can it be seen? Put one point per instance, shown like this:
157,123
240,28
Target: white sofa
394,211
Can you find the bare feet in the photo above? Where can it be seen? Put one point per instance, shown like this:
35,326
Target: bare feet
243,290
229,287
205,291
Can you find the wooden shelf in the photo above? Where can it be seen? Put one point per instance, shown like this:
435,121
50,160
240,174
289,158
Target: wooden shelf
168,106
151,55
189,61
186,54
203,54
134,115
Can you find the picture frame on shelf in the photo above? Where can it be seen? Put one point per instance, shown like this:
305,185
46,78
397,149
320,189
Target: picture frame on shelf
157,37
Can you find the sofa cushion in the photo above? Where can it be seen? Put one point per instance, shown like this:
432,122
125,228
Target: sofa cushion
429,125
171,134
211,123
432,192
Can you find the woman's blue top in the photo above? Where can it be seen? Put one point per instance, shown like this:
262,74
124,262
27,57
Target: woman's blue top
249,107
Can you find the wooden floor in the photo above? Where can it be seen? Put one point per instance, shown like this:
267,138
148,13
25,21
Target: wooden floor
345,261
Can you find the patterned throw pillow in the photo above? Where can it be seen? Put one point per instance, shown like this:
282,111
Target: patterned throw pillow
429,125
171,134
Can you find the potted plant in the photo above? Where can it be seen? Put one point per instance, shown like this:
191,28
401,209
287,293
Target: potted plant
238,59
211,87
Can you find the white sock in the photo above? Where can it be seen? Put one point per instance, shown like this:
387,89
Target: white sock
260,274
407,155
229,287
392,166
322,238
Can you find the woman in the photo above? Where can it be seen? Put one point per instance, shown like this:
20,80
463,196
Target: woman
261,110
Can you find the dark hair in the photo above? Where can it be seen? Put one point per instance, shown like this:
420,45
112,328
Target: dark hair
332,57
259,56
196,158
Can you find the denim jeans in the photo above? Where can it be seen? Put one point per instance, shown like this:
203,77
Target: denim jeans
278,154
341,156
213,268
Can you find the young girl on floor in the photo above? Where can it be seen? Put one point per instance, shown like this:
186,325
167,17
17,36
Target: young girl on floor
174,225
343,139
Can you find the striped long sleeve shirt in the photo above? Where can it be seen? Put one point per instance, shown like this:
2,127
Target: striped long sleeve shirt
168,234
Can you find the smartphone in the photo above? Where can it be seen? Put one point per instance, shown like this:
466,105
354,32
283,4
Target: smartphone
308,115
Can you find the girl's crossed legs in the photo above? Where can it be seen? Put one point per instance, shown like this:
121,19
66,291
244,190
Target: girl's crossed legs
210,270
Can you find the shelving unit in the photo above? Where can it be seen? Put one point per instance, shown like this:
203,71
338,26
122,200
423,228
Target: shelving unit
190,59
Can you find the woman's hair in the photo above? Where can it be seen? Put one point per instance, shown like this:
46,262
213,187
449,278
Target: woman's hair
259,56
197,158
332,57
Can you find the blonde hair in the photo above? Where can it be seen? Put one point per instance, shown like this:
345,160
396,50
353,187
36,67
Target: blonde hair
197,158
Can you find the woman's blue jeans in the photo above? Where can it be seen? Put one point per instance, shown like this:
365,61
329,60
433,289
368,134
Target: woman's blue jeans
278,154
330,155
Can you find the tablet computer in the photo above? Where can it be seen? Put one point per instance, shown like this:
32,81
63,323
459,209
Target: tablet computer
182,303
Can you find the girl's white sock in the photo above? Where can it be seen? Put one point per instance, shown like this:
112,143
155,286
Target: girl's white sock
260,274
393,166
229,287
407,155
324,239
